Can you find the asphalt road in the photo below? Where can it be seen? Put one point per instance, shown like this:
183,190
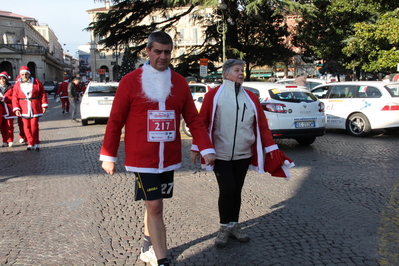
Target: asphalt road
341,206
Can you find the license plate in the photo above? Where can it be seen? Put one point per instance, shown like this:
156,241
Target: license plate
304,124
105,102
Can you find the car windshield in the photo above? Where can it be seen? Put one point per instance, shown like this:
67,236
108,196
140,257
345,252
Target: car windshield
253,90
393,89
102,90
48,83
292,96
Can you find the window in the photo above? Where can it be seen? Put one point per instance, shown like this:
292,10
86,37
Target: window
102,55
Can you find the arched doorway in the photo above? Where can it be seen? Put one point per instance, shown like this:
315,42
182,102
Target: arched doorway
32,68
105,76
7,66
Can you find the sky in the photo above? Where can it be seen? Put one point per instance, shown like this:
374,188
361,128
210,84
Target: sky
67,19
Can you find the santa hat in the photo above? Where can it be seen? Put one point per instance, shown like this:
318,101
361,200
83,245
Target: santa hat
5,74
24,69
277,164
66,79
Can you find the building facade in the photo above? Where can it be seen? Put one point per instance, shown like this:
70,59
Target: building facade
24,42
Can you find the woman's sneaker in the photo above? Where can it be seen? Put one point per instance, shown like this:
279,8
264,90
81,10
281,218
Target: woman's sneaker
223,236
149,256
237,233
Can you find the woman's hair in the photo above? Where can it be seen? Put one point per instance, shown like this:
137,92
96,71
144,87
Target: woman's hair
229,64
160,37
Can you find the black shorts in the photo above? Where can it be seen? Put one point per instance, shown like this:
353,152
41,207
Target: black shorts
154,186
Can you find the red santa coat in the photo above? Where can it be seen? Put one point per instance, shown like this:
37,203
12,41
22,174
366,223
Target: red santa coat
63,90
8,112
264,141
130,110
32,105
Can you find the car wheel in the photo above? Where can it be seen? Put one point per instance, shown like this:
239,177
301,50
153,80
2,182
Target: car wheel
84,122
186,130
358,125
305,141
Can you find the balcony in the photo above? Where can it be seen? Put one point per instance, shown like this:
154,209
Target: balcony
25,49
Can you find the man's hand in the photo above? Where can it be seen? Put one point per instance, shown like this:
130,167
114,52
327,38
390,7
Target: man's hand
195,156
17,113
44,110
109,167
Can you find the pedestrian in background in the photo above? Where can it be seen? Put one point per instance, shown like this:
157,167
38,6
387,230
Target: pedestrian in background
241,136
148,104
29,102
7,127
300,80
62,92
73,94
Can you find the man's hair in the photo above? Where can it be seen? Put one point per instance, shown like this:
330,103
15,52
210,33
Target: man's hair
159,37
229,64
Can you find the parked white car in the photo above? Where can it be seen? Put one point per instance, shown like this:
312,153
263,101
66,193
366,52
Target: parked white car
292,111
97,101
310,82
361,106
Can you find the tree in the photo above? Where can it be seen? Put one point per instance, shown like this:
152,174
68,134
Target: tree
375,47
321,33
128,63
327,32
255,29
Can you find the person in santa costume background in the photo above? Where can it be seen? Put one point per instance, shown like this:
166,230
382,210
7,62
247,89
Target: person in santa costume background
240,133
148,104
7,127
29,102
62,92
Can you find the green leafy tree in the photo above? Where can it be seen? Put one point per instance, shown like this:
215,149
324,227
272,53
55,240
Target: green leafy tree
326,32
375,47
321,32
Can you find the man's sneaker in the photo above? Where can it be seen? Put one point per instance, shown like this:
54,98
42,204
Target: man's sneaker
149,256
10,144
223,236
5,144
237,233
22,141
30,147
36,147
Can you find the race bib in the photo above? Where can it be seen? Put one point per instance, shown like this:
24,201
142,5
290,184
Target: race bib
161,126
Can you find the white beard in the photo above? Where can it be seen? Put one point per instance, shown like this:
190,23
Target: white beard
156,84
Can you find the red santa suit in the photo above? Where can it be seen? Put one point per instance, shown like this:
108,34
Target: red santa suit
145,150
30,98
264,142
7,128
63,93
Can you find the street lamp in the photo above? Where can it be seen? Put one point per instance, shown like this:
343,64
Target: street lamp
222,29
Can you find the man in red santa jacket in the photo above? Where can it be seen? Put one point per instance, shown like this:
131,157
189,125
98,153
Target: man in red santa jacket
29,101
62,92
149,103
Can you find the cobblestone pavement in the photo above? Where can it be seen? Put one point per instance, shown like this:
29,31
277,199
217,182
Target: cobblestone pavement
59,208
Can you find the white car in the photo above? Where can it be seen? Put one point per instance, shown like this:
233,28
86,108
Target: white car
292,111
310,82
97,101
361,106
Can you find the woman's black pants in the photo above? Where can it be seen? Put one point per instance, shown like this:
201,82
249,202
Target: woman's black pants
230,176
